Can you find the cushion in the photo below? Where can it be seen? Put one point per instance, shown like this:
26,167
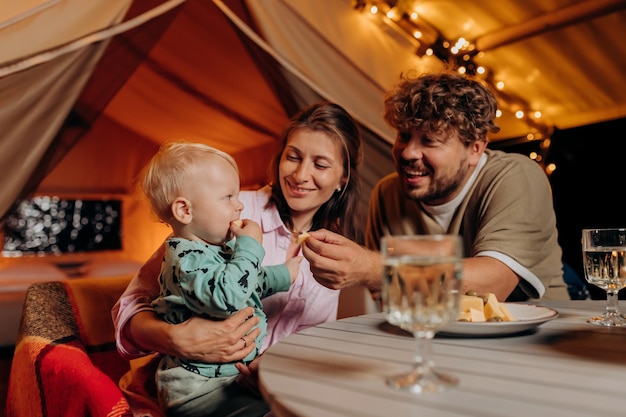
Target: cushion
65,362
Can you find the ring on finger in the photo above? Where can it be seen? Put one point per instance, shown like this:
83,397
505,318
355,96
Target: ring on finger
245,342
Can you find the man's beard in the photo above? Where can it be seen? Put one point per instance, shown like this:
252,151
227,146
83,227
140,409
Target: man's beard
440,189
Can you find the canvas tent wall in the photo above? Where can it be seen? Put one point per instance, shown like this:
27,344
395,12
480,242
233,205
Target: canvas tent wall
231,72
190,73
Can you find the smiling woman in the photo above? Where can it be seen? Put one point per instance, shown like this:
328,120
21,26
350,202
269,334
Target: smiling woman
314,185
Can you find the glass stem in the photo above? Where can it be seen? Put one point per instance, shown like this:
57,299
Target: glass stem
611,303
423,359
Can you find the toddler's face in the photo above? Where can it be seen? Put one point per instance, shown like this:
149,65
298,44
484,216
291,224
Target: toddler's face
214,196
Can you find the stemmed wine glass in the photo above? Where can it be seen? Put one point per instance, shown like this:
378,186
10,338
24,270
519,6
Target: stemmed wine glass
604,256
420,293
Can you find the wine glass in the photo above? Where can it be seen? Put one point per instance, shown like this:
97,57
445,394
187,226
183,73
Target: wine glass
420,294
604,256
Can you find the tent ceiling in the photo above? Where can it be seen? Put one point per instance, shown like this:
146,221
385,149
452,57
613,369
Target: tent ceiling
199,83
194,85
200,80
564,58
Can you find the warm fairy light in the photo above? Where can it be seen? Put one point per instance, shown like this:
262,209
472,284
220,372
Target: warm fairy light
461,45
394,14
545,144
460,54
533,155
550,168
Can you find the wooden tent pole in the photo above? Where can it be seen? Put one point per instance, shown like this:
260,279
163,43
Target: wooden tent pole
576,13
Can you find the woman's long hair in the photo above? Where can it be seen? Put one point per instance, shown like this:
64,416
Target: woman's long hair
340,213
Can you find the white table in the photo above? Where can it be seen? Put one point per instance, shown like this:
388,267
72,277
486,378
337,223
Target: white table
565,368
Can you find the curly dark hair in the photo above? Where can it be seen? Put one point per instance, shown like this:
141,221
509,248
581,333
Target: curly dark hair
441,103
341,213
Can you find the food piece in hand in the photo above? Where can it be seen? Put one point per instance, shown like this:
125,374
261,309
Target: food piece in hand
301,238
238,223
480,308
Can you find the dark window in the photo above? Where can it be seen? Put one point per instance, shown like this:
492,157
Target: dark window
51,225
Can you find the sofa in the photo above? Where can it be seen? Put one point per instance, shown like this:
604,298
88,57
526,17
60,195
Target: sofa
65,361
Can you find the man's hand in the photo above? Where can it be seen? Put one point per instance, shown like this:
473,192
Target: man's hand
337,262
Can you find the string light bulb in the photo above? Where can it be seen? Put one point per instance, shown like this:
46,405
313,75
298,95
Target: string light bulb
403,17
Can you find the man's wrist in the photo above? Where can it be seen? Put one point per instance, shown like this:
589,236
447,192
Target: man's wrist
373,279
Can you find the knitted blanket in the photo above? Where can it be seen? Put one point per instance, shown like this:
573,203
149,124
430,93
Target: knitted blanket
65,361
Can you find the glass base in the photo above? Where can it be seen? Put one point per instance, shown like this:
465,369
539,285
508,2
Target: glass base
613,319
422,383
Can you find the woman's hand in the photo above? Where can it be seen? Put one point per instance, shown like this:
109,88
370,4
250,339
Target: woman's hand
197,338
216,341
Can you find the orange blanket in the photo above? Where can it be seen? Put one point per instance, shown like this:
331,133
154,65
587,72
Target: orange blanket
65,361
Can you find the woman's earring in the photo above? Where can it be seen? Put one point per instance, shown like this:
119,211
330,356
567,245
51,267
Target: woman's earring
338,189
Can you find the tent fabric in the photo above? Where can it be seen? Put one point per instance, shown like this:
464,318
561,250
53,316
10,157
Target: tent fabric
231,106
29,27
195,76
36,102
325,43
229,73
41,99
364,92
205,65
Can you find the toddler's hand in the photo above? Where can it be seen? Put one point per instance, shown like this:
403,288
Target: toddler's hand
247,228
293,265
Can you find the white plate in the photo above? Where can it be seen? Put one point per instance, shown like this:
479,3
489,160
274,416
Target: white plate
528,317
